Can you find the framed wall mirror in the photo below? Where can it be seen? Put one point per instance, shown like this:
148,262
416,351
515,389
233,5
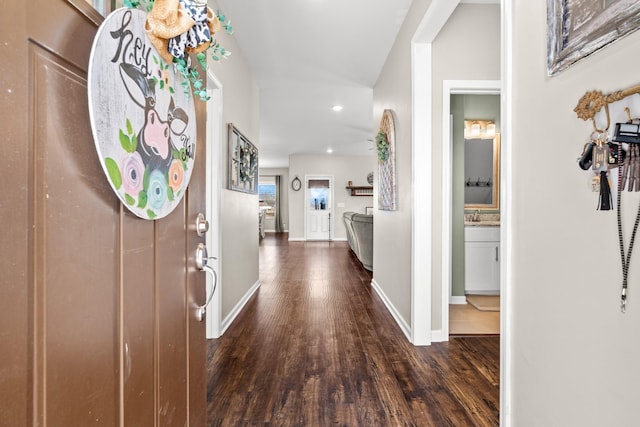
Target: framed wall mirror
481,165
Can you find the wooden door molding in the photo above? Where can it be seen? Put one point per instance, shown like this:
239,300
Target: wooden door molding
87,10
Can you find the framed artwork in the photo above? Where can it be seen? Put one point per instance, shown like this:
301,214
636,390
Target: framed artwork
243,163
577,28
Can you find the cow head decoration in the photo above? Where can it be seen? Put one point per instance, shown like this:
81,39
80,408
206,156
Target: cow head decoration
161,122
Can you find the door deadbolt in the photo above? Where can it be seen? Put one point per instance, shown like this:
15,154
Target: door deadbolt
202,225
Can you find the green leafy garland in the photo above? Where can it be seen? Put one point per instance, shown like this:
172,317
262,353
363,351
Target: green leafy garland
383,146
191,76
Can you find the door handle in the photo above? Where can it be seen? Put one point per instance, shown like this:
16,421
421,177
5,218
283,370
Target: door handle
202,263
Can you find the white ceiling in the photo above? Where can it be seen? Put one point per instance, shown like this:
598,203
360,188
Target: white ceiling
308,55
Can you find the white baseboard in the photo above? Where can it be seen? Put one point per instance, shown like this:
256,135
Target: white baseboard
438,336
302,239
492,292
457,300
406,329
226,322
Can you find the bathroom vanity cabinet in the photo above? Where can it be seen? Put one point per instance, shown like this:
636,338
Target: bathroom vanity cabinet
482,259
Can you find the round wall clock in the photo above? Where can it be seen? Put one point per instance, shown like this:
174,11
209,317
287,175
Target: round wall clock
296,184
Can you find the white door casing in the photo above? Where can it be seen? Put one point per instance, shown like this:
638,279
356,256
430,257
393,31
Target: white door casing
318,217
453,87
215,154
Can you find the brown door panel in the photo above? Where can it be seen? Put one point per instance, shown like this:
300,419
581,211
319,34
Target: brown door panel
138,306
74,337
172,328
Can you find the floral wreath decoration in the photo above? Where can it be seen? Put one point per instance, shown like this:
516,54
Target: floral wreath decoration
248,163
177,28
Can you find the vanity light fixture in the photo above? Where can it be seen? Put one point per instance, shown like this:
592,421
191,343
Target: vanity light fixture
475,129
479,129
329,150
337,108
491,129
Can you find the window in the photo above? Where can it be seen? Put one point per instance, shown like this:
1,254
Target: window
267,195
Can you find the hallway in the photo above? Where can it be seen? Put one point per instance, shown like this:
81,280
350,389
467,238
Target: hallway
316,347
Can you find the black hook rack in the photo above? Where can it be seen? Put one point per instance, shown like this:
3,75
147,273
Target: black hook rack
478,183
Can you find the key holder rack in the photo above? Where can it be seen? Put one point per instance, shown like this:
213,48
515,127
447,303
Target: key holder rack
622,151
593,101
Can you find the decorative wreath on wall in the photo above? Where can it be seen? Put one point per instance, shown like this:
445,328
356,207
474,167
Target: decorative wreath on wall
248,163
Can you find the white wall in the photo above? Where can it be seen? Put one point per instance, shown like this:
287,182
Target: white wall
343,169
239,211
392,229
574,355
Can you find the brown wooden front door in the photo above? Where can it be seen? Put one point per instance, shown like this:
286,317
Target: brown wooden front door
97,307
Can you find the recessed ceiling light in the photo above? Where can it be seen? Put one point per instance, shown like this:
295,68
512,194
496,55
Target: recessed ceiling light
329,150
337,108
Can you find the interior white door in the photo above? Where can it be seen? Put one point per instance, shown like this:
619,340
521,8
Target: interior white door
318,202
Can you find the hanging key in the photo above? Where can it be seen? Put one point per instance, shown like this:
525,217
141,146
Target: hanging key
601,158
632,166
624,171
635,168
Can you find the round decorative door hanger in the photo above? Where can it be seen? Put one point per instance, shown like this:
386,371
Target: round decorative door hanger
142,119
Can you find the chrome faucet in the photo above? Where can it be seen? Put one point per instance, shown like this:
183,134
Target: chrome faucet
476,216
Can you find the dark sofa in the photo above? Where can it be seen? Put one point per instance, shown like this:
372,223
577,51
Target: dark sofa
360,236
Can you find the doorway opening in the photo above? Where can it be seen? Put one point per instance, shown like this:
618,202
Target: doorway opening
466,240
318,207
272,198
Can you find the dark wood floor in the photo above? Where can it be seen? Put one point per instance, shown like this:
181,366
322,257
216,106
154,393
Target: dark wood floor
316,347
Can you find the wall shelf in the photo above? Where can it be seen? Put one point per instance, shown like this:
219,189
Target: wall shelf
361,190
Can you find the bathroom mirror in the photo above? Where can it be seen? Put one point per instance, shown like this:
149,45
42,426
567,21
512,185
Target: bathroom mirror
481,167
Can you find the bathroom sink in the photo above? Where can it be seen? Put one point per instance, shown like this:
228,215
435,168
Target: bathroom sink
483,220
